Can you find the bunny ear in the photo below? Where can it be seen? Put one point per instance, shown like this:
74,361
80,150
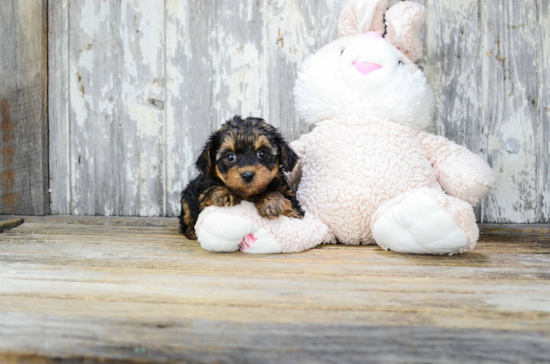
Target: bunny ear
403,22
361,16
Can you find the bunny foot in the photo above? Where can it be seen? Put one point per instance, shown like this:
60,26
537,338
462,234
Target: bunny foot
425,222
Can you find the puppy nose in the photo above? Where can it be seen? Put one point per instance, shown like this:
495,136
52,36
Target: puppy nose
247,176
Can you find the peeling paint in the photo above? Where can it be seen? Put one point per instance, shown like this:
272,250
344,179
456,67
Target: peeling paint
290,30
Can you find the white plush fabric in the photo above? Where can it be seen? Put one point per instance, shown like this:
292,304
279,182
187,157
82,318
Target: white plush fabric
226,229
425,221
368,172
329,86
418,224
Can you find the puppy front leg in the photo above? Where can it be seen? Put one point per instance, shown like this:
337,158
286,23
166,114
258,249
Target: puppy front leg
274,204
220,196
270,205
187,221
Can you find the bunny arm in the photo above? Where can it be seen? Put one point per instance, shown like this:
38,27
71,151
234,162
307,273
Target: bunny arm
460,172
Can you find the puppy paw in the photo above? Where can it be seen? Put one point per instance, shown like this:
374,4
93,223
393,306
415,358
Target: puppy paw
221,196
271,212
190,233
271,206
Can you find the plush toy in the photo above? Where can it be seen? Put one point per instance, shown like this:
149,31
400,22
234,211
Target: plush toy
368,172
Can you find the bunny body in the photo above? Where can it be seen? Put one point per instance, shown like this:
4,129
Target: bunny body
351,165
368,173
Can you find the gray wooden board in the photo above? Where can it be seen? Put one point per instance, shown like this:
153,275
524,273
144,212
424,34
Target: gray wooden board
484,229
209,341
511,95
135,289
23,108
58,110
544,106
189,92
156,77
453,55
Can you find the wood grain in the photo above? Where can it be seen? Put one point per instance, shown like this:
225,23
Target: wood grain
141,136
454,45
58,107
104,290
292,31
9,222
544,107
210,341
23,108
189,93
93,93
514,229
511,116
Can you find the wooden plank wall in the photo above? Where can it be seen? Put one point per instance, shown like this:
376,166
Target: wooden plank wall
136,86
23,108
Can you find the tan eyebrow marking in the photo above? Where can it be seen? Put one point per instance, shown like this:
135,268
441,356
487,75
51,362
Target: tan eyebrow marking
263,142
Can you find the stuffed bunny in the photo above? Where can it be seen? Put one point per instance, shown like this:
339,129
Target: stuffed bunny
368,172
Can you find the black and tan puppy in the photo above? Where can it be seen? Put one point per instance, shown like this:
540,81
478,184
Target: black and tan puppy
244,160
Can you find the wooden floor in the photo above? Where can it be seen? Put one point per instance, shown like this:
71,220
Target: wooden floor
134,290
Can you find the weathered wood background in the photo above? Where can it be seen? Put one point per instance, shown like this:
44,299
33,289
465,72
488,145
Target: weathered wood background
137,85
23,107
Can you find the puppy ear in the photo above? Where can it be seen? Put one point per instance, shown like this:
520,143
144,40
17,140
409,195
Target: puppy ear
403,25
204,162
361,16
288,158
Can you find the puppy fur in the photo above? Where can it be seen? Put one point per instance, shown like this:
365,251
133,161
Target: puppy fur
244,160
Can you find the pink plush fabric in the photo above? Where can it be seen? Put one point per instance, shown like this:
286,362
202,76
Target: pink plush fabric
348,22
460,172
377,24
403,22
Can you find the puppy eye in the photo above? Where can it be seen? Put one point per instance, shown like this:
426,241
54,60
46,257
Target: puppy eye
342,52
261,154
400,62
230,157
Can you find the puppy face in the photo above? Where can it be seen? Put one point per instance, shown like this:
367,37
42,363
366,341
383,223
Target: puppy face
246,154
246,161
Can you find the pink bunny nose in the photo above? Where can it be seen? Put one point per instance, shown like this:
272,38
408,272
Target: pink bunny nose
366,67
373,35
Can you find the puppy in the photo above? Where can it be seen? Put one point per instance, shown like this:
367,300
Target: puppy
244,160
